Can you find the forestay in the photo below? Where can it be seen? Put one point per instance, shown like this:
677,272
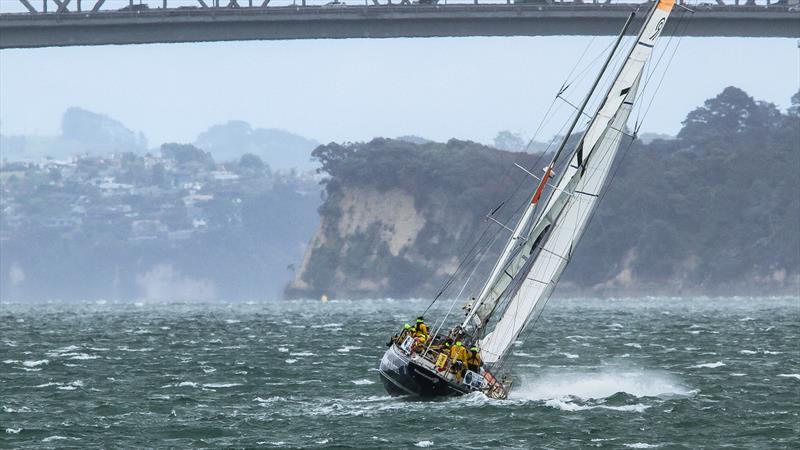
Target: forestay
555,233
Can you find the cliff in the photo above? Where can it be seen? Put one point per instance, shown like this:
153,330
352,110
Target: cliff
714,211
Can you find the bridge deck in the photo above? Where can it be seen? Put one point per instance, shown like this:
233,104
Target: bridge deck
321,22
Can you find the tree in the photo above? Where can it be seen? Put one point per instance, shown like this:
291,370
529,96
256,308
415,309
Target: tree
512,142
250,161
331,156
186,153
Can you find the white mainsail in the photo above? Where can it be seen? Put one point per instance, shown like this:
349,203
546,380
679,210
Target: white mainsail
570,205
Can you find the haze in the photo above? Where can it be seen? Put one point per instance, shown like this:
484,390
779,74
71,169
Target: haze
352,90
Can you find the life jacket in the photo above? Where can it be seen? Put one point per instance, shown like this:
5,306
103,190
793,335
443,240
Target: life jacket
458,353
474,360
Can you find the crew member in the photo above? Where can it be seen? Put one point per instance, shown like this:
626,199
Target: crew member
458,358
421,327
474,360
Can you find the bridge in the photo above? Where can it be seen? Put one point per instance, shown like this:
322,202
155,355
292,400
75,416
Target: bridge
76,22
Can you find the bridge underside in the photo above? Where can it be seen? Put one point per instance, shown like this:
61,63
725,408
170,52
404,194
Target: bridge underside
165,26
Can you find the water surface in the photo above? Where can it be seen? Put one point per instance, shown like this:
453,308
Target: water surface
618,373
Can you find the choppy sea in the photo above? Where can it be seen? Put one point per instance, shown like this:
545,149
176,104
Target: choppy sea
593,373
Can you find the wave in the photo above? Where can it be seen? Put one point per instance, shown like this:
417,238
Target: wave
566,405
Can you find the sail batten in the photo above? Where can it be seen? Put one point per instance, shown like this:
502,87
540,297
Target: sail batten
567,210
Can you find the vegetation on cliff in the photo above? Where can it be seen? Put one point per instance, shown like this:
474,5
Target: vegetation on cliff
716,210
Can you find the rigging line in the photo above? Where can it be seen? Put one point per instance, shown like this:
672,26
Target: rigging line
669,63
455,300
458,269
591,64
468,261
573,105
681,34
565,85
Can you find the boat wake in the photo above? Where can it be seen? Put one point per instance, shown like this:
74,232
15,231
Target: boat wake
616,389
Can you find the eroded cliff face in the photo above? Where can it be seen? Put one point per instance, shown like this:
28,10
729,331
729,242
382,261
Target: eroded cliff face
372,242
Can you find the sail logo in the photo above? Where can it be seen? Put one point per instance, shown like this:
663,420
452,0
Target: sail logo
659,26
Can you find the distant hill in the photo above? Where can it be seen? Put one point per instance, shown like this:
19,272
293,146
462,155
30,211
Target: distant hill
99,134
280,149
82,132
715,210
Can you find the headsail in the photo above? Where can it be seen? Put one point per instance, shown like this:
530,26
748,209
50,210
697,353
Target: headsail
558,228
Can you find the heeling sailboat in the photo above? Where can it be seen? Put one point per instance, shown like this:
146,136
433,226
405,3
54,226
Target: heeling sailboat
539,249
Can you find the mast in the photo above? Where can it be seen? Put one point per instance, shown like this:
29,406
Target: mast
517,234
566,213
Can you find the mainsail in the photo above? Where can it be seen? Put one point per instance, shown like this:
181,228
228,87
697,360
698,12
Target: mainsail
526,274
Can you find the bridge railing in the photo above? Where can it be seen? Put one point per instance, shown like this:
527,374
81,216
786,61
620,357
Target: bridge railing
187,6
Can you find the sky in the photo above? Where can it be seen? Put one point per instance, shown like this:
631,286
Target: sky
357,89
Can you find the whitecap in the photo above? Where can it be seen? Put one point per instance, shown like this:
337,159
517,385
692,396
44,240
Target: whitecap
267,400
328,325
22,409
71,386
290,361
362,382
570,355
13,430
10,361
283,349
747,352
790,375
70,348
221,385
708,365
82,356
47,385
633,344
423,444
302,354
347,348
35,363
738,374
56,438
767,352
642,445
232,321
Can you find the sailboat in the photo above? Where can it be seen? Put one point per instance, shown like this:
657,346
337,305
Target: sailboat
539,248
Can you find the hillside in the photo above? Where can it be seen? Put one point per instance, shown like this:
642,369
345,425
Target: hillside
714,211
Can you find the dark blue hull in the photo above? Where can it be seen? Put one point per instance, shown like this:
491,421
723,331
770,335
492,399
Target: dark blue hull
402,376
